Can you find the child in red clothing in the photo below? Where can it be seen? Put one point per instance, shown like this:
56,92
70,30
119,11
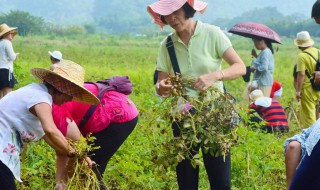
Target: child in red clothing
270,110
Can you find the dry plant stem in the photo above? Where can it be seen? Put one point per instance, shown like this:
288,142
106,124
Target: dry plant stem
81,176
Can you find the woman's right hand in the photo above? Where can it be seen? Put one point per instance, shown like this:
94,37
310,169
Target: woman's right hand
163,88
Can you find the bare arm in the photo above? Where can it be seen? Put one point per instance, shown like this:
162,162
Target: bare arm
236,69
63,163
316,77
11,55
52,135
73,133
300,79
61,173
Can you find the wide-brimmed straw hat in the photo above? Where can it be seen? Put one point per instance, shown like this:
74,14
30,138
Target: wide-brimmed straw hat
56,54
4,28
166,7
68,78
258,98
303,39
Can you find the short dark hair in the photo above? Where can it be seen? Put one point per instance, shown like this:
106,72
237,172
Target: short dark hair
189,12
50,86
54,59
315,13
267,41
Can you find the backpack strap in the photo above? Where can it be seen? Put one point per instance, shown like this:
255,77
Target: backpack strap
312,55
92,108
317,61
172,55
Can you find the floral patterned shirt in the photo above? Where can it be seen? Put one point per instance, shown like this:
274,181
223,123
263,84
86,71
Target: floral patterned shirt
18,125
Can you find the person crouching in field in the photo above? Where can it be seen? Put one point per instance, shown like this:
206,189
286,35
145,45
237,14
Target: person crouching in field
270,110
26,115
295,150
302,155
111,123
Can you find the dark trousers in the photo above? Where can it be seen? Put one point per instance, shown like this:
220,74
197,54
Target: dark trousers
218,170
307,175
6,178
109,140
268,129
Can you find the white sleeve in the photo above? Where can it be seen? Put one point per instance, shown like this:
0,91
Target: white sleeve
11,55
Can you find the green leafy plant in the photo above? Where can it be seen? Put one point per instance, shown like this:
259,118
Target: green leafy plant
208,121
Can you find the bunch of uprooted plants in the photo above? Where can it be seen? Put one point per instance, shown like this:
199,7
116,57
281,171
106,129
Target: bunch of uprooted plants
81,175
209,121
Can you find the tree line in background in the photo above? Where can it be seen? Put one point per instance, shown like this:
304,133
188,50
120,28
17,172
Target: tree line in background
287,26
32,25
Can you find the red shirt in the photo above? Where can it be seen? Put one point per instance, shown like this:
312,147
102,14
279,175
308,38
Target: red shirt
274,115
114,107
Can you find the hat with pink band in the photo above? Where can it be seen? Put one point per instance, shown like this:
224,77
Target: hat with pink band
166,7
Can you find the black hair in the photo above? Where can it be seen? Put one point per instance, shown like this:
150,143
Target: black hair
268,42
51,87
315,13
163,20
54,59
189,12
4,35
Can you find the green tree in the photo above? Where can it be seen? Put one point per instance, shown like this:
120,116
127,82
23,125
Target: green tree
26,23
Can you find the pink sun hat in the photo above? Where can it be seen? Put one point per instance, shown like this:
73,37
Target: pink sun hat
166,7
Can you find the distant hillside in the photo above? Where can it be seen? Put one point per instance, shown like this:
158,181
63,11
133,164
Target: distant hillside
125,16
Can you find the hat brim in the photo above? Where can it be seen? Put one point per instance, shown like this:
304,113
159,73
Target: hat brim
52,55
263,101
166,7
307,44
9,30
79,93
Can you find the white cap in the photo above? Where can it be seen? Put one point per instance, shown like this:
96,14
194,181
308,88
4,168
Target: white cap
56,54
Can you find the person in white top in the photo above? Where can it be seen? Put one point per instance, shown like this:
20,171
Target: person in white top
7,56
26,115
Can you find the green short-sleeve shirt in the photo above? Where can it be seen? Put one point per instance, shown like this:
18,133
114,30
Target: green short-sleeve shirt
202,55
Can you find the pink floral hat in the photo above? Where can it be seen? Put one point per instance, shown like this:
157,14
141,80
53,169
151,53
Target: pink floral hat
166,7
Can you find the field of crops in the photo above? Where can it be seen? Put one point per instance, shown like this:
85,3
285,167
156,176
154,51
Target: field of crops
257,160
